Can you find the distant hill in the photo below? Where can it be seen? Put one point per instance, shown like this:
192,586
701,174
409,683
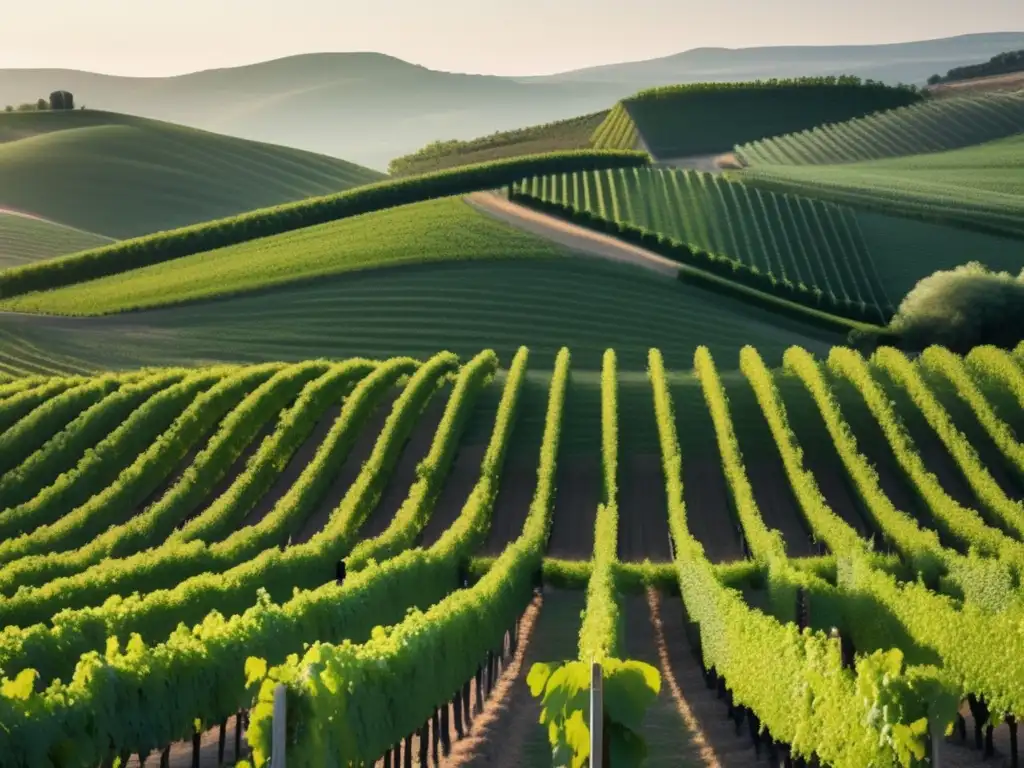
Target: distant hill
119,176
910,63
1006,63
370,108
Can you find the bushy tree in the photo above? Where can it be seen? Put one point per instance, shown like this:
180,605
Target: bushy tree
42,105
962,308
62,100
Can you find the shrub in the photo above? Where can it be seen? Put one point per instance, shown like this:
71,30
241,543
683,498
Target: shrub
961,309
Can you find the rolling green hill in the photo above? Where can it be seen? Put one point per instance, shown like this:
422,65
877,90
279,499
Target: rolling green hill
120,176
707,118
574,133
979,187
933,126
24,239
438,230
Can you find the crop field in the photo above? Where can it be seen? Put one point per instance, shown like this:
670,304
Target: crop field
710,118
24,239
813,246
121,176
980,187
414,310
574,133
697,512
936,125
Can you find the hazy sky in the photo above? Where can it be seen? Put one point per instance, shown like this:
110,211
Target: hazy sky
158,37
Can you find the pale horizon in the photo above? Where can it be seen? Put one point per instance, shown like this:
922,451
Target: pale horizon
535,37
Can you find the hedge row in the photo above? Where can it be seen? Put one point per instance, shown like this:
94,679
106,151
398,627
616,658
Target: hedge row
721,266
264,222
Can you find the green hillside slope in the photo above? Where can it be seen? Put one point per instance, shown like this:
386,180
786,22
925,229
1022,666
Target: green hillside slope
978,187
437,230
933,126
24,239
706,118
417,309
573,133
123,176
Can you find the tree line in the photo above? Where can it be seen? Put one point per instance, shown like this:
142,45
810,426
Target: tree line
1000,64
58,101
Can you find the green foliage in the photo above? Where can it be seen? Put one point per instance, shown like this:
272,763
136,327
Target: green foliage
435,231
629,688
979,188
1000,64
559,135
165,246
616,131
24,239
961,309
704,118
798,249
930,126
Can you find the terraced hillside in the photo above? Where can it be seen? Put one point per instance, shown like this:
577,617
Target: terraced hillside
801,248
935,125
24,239
574,133
709,118
979,187
229,497
121,176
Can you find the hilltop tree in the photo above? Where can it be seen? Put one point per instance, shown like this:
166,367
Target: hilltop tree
62,100
42,105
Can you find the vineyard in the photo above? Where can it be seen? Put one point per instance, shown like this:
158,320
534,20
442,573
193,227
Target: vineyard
24,239
978,187
936,125
803,248
177,542
707,118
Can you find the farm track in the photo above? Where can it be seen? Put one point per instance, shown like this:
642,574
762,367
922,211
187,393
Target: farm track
643,509
872,444
767,474
705,492
688,724
821,458
302,456
936,457
518,484
965,420
574,237
513,736
462,477
238,467
404,474
576,498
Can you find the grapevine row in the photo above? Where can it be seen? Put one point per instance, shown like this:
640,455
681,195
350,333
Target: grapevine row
178,560
152,527
21,403
155,614
60,453
389,686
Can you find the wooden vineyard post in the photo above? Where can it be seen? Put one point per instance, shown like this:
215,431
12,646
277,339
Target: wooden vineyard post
222,741
277,745
238,736
596,716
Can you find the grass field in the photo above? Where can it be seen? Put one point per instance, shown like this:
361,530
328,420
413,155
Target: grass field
933,126
980,187
24,239
438,230
181,484
800,241
574,133
122,176
414,310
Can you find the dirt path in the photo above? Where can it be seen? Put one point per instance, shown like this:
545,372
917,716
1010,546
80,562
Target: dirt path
298,461
518,485
709,514
571,236
706,163
643,509
576,498
404,474
462,477
509,735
